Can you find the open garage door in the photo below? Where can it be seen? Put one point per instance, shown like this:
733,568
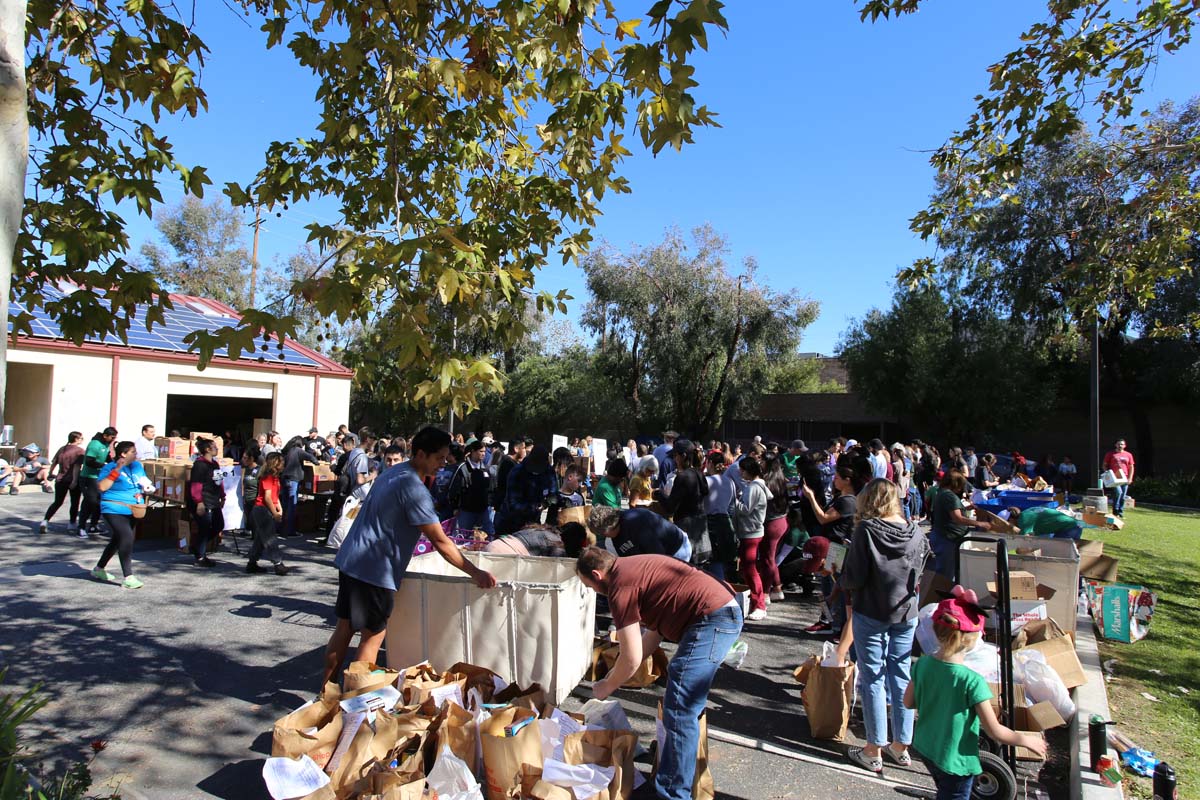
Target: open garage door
217,406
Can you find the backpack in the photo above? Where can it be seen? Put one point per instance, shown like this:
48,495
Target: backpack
345,476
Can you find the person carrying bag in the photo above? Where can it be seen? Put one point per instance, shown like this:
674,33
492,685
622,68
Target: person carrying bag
121,483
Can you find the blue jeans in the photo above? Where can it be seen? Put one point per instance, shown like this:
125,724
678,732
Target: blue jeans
703,647
471,520
1119,495
883,651
944,552
290,491
950,787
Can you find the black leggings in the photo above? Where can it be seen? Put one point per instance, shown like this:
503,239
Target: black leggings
61,488
91,501
121,542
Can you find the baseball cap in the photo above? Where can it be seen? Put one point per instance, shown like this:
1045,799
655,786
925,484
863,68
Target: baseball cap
314,429
851,443
31,448
813,554
682,447
798,444
961,610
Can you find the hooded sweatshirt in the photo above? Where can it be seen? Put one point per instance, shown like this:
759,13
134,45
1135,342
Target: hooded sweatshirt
750,510
882,569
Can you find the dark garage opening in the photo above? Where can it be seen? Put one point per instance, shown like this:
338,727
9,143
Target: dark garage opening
195,412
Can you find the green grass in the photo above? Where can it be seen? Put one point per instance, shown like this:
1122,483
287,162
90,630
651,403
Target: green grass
1161,551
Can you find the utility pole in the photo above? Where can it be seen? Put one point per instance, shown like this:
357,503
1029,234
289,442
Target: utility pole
254,255
1094,422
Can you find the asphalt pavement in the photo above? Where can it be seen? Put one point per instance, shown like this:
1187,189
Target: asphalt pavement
182,680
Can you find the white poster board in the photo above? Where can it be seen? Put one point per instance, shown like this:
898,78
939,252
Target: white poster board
599,455
557,441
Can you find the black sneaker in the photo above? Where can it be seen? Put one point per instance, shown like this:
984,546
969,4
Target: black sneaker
281,569
253,568
819,628
205,562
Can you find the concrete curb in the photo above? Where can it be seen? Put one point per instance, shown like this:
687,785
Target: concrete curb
1090,698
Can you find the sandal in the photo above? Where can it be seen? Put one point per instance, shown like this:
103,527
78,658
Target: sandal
902,759
857,756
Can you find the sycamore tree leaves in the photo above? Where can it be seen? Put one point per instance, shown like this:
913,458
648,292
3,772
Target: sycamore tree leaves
468,143
100,75
1086,58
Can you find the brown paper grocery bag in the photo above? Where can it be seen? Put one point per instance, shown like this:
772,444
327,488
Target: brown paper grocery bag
361,677
459,732
828,694
419,682
606,749
533,698
369,751
703,787
599,666
392,785
291,740
503,756
548,791
480,678
652,669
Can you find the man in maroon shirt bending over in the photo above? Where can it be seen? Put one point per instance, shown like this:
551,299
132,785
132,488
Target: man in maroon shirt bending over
671,600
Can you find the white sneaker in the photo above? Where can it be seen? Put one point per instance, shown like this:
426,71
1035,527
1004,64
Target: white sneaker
83,534
767,600
42,526
778,595
757,614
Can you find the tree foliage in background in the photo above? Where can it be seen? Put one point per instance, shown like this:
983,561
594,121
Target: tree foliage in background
1090,218
1087,58
466,142
203,251
688,342
945,367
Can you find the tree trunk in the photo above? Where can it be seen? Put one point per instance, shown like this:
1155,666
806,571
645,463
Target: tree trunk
14,153
710,419
635,390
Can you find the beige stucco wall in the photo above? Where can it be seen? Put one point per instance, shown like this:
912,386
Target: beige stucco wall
81,386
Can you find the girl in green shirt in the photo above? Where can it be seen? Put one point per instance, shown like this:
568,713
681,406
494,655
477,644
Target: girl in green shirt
952,701
608,490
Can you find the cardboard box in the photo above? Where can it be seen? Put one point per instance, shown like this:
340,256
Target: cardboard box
175,470
1022,585
170,447
1060,655
160,522
1099,568
998,525
1023,612
931,585
318,478
1090,547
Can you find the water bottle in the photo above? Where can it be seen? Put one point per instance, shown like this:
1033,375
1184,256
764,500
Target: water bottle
1164,782
1097,739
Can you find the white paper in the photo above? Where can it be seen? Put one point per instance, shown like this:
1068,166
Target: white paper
451,779
584,780
557,441
384,698
552,739
350,724
566,723
499,683
599,454
605,715
784,549
292,777
452,693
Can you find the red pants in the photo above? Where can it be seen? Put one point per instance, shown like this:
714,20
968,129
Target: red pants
768,570
748,550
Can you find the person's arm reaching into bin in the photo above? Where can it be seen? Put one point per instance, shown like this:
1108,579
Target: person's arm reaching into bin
449,551
631,641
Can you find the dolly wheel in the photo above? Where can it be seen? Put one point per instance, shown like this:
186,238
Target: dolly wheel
997,781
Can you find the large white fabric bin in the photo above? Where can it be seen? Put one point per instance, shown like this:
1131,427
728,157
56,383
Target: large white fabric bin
1057,567
536,626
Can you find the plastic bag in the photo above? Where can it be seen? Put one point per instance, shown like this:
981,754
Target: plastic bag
736,655
829,655
1042,683
925,635
451,779
984,658
584,780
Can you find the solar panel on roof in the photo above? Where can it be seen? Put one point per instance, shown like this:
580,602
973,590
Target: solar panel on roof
165,336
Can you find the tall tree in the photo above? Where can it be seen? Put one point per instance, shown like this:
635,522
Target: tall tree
1094,229
466,141
934,361
203,251
689,341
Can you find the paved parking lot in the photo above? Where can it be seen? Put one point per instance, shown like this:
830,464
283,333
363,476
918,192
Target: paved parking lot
183,678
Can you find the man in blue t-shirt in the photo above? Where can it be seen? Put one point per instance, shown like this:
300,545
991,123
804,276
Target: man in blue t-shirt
375,555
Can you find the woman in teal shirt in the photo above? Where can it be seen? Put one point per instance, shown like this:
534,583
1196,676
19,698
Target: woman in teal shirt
121,485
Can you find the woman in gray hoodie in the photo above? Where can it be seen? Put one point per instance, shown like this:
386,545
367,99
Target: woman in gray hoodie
880,574
750,512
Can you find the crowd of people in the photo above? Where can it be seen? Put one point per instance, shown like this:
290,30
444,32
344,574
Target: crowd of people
669,527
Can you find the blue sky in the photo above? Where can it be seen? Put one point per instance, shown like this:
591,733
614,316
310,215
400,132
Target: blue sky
818,166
